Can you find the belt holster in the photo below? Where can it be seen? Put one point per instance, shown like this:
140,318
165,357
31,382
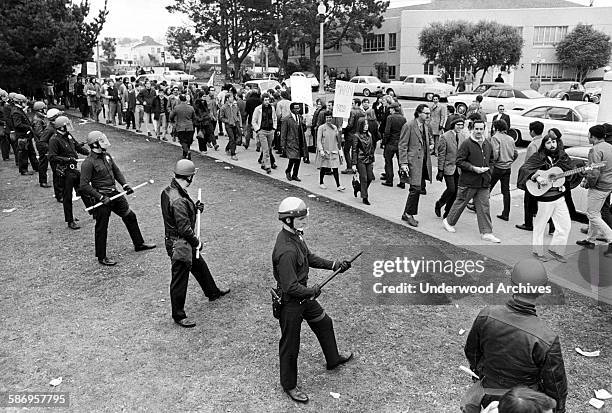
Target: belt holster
277,301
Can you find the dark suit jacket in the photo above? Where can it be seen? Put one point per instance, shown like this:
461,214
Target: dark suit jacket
184,115
504,117
292,137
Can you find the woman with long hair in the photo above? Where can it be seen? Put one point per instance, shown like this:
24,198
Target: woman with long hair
363,158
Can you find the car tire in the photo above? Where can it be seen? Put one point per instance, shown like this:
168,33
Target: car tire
586,98
516,136
565,97
461,108
366,92
595,98
429,97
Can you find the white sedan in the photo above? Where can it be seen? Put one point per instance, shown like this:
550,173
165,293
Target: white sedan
178,75
512,99
421,86
368,85
572,118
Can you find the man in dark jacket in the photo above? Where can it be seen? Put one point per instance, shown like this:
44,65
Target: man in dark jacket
24,134
179,213
40,123
393,126
145,98
350,132
253,100
63,150
6,127
510,346
291,260
183,117
293,141
474,158
98,175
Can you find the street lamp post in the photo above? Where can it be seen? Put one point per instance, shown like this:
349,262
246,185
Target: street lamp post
321,10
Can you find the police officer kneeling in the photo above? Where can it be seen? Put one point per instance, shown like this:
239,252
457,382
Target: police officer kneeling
510,346
179,212
291,260
98,175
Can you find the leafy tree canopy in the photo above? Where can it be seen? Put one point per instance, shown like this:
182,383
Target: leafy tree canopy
182,44
584,49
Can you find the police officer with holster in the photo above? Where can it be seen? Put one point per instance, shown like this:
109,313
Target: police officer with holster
179,213
63,150
291,260
98,175
24,134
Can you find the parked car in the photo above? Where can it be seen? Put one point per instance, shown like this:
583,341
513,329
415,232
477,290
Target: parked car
421,86
152,77
178,75
314,83
511,98
262,84
568,91
368,85
572,118
593,90
462,100
483,87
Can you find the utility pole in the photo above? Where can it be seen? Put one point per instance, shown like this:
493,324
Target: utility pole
98,59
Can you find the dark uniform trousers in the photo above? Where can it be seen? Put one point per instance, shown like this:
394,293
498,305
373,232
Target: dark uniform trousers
291,316
102,214
70,180
43,162
5,143
180,280
58,182
26,152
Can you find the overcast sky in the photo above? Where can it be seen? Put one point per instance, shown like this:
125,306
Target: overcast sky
137,18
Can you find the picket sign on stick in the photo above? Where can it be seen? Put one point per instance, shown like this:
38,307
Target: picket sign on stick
199,220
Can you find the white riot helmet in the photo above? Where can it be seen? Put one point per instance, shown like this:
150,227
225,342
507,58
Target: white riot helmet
291,208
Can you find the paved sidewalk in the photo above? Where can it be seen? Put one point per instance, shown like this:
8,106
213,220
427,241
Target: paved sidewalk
388,203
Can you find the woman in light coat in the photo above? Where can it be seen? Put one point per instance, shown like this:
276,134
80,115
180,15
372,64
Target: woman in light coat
329,152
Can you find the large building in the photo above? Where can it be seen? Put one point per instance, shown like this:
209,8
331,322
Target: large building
543,23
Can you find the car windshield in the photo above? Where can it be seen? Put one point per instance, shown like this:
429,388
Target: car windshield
588,112
531,94
481,88
371,79
592,85
437,80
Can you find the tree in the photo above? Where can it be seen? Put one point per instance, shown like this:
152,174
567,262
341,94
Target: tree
41,40
446,45
584,49
182,44
494,44
109,48
88,32
234,24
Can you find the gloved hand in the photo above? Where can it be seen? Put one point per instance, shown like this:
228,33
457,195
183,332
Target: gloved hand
105,200
439,176
342,266
200,206
128,189
316,291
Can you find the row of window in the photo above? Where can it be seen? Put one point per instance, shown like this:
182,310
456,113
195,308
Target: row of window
376,42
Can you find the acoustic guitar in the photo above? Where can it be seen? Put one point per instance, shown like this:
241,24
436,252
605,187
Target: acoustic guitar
555,178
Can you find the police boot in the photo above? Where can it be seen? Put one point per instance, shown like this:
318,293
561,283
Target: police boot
131,223
324,330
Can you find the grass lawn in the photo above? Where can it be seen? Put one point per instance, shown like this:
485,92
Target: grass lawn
108,332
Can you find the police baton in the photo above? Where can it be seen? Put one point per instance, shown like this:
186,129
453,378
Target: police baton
333,275
199,221
120,194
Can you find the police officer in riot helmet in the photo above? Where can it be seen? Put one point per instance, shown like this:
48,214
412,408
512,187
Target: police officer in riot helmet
98,175
63,149
510,346
24,134
179,213
291,260
40,123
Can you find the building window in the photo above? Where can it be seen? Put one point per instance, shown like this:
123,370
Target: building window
215,59
428,68
301,49
548,35
392,41
391,72
547,71
374,43
519,30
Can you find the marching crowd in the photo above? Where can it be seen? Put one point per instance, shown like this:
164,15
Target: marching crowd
470,162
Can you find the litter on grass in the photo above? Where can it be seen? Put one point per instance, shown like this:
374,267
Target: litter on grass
218,160
312,196
56,382
587,353
603,394
227,167
9,210
596,403
461,332
334,395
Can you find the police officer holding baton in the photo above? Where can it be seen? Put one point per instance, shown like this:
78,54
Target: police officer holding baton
291,260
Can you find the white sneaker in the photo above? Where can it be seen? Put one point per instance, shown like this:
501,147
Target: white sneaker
448,226
322,186
341,188
491,238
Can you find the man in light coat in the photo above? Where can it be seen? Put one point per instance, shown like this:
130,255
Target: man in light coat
447,169
414,156
264,124
437,120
